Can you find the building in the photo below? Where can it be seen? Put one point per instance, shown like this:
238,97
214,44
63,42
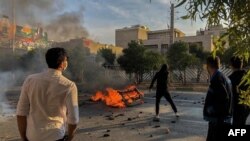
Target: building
125,35
89,44
159,40
25,37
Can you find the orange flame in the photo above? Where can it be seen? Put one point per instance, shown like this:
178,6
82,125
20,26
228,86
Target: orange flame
119,99
98,96
27,40
26,29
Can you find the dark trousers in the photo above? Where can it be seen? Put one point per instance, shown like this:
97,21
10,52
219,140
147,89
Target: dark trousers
65,138
166,94
216,131
240,115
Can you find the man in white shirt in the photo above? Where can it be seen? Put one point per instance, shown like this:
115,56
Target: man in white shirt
48,102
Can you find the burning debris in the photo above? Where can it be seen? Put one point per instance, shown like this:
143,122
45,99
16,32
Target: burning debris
119,98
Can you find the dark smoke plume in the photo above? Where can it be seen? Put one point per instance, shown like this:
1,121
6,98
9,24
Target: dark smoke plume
49,15
66,26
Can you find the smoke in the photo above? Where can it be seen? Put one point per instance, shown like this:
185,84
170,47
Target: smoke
50,14
66,26
13,70
7,92
88,73
97,77
30,11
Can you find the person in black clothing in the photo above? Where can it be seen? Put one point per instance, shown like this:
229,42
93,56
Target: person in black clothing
218,103
240,112
162,90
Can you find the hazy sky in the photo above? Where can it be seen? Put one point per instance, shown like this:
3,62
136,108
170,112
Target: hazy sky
102,17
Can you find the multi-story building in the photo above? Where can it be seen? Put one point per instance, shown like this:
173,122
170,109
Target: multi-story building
92,46
26,37
125,35
159,40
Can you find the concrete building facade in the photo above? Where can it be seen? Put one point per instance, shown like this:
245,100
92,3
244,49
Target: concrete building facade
125,35
159,40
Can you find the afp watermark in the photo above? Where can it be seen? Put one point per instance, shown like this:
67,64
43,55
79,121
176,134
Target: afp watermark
237,133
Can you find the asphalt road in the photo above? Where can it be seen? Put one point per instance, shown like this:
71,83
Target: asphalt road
101,123
135,123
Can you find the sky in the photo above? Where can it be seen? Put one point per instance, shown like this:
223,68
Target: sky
100,17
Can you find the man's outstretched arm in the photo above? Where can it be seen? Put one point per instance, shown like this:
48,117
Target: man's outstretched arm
153,81
22,126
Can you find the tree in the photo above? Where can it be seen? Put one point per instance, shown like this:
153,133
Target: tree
234,14
108,56
179,58
136,59
8,61
154,60
77,56
199,60
33,61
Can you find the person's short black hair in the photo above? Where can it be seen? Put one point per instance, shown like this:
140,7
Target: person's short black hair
236,62
213,62
55,56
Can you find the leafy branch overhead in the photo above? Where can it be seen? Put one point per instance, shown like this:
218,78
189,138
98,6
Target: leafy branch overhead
234,14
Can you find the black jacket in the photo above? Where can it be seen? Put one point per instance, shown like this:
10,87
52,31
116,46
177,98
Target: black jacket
239,110
236,78
162,79
218,102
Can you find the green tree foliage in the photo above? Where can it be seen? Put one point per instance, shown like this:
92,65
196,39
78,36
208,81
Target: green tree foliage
8,61
154,60
77,56
108,56
234,14
137,60
33,61
179,58
226,55
200,57
175,54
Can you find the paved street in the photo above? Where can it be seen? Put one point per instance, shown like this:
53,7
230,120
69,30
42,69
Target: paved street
101,123
189,126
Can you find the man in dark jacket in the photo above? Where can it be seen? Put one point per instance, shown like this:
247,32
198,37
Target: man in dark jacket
240,112
162,90
218,104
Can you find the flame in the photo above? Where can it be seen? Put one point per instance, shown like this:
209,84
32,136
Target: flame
98,96
26,29
116,98
27,40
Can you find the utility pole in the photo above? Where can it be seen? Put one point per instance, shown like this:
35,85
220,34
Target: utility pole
13,26
172,35
13,35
